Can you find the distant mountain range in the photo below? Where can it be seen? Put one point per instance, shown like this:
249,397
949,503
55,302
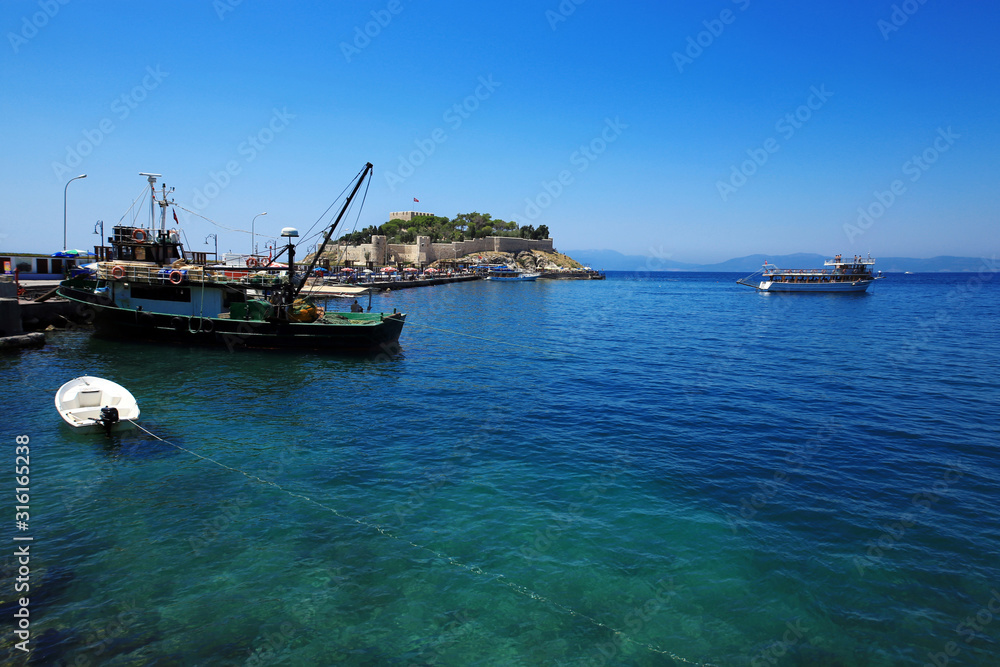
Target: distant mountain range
612,260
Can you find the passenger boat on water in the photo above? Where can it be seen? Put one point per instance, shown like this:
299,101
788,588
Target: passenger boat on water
845,276
508,273
150,288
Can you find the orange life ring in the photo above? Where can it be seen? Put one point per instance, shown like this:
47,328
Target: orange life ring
251,262
139,236
118,272
176,277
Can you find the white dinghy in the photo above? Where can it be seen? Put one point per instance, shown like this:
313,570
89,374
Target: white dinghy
95,402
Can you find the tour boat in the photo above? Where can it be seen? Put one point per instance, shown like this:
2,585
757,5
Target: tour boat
854,275
507,273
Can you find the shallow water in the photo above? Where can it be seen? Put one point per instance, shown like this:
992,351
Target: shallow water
653,468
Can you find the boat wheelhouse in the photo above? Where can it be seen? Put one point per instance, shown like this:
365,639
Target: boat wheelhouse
854,275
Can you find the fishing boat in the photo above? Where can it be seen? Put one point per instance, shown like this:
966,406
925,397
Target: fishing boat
91,402
510,273
854,275
148,287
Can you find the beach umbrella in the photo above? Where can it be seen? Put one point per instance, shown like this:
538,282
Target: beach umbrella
431,270
389,269
347,269
410,269
367,271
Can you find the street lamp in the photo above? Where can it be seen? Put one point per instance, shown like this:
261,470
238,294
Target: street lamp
253,245
216,237
64,206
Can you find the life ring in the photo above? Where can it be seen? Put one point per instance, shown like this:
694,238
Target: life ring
139,236
251,262
176,277
118,272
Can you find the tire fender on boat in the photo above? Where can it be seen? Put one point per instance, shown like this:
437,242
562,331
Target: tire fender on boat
200,325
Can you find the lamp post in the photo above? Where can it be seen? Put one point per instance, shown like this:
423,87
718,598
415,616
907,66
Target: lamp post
216,237
253,245
64,205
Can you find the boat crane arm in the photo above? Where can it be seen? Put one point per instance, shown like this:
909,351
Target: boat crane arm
329,232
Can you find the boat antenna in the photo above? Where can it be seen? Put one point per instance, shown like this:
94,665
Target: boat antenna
329,232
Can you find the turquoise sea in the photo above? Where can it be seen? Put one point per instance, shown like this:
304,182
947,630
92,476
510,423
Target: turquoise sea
656,469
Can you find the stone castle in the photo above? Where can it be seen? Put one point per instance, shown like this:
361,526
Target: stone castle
423,252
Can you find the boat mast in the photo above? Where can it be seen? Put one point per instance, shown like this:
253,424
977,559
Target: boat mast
329,232
152,198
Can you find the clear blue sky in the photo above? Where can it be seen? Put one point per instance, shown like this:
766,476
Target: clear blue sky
187,88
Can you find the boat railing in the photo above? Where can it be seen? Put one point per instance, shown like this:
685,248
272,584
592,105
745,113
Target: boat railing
151,273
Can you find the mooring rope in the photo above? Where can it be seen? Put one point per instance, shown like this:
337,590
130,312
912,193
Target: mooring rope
475,569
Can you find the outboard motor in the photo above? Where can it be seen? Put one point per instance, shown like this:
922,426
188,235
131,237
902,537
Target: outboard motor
109,417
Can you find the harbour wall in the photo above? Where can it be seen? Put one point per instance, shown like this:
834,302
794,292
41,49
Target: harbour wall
425,252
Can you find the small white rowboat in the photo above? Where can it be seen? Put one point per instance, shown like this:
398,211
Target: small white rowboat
91,401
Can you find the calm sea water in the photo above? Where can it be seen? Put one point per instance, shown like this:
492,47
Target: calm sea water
655,469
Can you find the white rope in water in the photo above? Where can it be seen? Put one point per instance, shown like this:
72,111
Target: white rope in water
517,588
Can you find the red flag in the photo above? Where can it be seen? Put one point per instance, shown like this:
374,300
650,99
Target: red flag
416,200
175,217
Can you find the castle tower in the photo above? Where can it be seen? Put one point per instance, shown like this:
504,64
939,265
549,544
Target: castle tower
378,250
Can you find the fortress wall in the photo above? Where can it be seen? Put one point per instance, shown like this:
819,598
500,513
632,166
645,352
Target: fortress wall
423,251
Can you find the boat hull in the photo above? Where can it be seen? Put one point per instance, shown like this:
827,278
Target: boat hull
513,279
768,286
352,333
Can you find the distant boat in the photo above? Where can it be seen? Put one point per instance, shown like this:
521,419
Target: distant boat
93,402
507,273
845,276
909,273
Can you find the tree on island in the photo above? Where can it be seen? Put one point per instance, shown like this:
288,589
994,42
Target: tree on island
464,226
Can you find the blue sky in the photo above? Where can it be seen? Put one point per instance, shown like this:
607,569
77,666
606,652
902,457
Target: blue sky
695,132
